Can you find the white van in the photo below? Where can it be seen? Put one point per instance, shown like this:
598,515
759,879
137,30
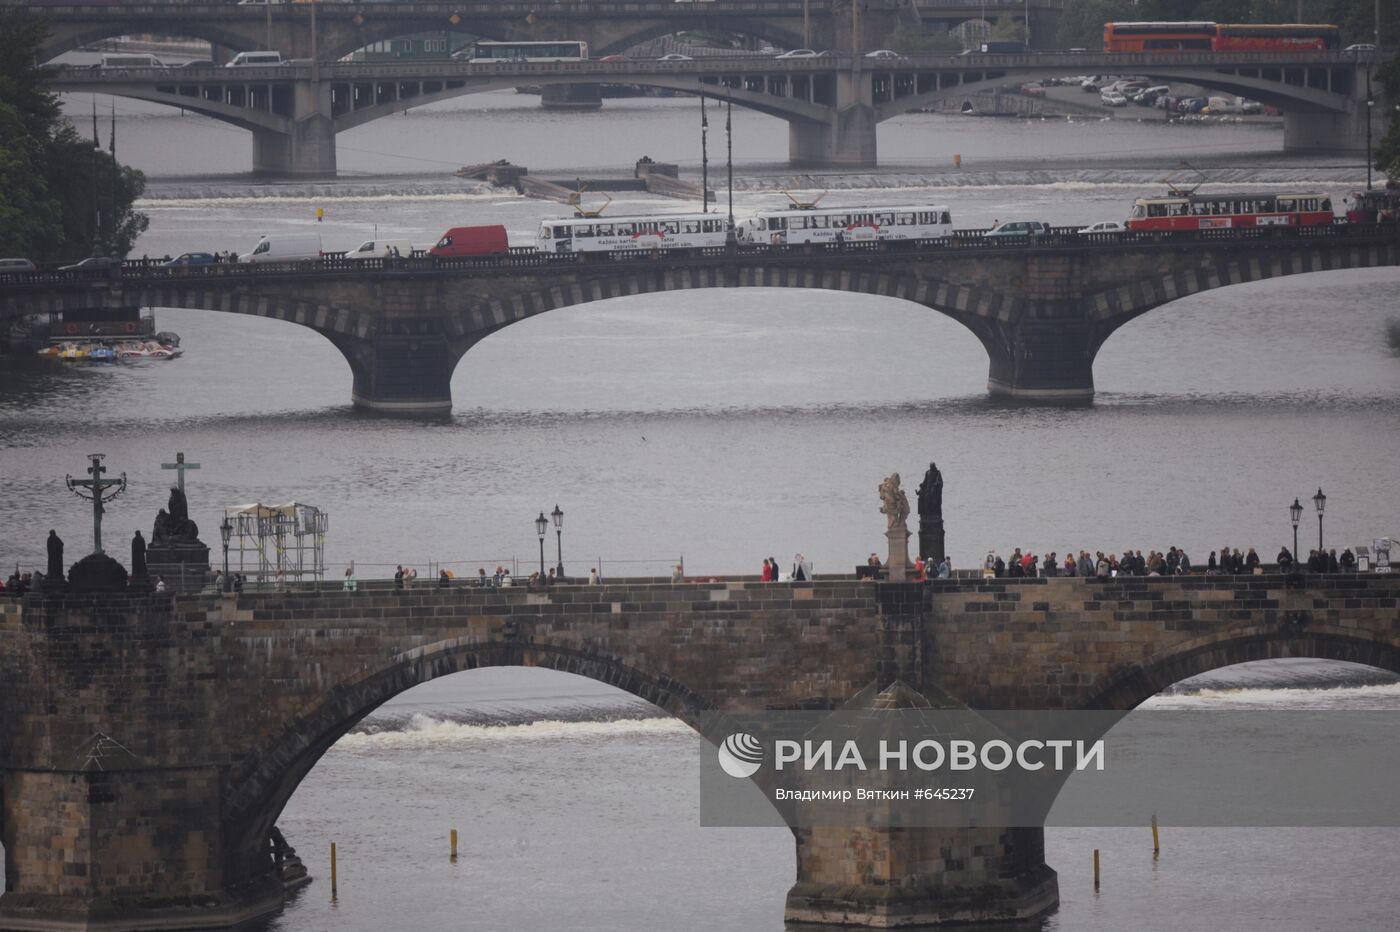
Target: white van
247,59
285,247
381,249
130,61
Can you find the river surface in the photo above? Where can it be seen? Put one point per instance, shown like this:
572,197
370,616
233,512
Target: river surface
721,427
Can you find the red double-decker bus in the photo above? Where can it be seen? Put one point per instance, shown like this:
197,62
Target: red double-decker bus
1276,37
1158,37
1183,211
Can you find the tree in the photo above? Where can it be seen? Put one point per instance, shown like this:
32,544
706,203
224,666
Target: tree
54,183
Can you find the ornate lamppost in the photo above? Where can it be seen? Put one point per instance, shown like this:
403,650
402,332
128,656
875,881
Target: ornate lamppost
541,525
225,532
1295,512
558,517
1320,501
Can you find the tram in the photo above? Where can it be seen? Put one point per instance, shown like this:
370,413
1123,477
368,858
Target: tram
845,224
509,52
1181,210
1377,206
626,234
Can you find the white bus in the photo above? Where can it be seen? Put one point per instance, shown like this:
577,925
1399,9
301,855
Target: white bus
506,52
845,224
621,234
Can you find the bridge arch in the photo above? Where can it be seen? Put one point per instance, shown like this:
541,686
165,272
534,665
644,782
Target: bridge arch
259,790
1137,685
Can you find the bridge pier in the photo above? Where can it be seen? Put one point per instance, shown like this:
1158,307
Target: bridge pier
1041,360
397,375
309,147
572,97
894,877
847,138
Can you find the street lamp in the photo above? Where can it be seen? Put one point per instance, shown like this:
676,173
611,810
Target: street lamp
541,525
558,517
1320,501
1295,511
225,532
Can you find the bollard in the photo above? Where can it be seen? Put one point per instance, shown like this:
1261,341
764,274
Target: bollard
1156,844
1096,854
1096,868
454,844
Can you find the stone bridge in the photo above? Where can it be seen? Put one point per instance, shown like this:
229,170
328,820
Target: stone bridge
832,103
207,712
1042,309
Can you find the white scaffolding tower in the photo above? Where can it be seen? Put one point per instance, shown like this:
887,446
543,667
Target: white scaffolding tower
264,539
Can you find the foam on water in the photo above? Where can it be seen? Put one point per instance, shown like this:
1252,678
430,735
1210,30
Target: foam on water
423,730
1373,697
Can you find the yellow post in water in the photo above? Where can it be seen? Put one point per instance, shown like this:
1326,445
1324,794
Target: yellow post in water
454,844
1156,845
1096,868
957,160
1096,854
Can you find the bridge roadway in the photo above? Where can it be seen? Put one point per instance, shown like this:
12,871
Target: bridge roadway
832,103
206,712
1041,308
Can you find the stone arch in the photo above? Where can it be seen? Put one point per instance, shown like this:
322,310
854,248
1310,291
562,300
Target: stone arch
257,792
1135,686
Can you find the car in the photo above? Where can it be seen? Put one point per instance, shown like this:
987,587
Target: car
798,53
1032,90
883,53
90,263
613,58
1105,226
198,63
1250,106
1012,229
193,258
675,56
1360,47
1113,99
15,266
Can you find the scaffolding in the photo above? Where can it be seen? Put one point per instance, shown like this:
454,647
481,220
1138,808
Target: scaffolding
266,542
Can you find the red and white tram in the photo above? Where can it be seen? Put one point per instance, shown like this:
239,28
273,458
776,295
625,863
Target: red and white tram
1183,211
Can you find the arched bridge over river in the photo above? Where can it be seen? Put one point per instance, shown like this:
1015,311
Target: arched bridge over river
1042,308
207,711
832,103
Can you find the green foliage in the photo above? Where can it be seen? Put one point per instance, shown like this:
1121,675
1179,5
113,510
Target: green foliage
52,182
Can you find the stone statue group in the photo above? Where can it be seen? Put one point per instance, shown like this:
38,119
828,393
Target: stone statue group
894,505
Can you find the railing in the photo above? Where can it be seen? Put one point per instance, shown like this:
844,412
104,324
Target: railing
151,271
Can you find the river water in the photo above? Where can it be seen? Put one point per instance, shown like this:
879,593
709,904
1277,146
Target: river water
720,427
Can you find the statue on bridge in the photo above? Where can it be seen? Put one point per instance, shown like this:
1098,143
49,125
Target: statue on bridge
894,505
175,552
931,543
173,525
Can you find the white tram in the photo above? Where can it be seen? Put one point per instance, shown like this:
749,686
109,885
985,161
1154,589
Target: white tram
845,224
622,234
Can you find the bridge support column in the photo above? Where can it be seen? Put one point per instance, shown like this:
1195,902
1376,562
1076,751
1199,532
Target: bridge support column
1042,360
847,139
309,147
404,375
895,877
572,97
1333,132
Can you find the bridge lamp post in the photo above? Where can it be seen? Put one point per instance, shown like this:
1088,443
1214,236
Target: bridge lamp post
1295,512
1320,501
541,525
225,532
558,517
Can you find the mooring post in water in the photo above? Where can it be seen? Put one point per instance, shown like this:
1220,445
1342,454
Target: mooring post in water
1156,844
1096,871
454,844
1096,861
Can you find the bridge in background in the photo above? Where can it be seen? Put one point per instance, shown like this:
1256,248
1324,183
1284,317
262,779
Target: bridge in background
1041,308
832,103
207,712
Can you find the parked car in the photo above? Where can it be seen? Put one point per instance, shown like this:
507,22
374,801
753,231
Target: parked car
1018,228
883,53
798,53
1113,99
1105,226
1148,96
15,266
1032,90
198,63
1360,47
1249,106
613,58
255,59
1191,104
674,56
193,258
90,263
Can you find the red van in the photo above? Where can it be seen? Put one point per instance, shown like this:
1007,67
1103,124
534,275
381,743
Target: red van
472,241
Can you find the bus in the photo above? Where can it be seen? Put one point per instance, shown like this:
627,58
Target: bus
845,224
629,234
1219,37
510,52
1191,211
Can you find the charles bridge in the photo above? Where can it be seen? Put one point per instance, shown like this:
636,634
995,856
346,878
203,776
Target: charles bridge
149,742
1041,308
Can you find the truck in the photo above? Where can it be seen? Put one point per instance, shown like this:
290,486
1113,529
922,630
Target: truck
285,247
472,241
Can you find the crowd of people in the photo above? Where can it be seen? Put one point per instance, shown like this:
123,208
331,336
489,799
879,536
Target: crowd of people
1173,562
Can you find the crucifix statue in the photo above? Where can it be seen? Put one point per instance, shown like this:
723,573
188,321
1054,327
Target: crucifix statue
95,490
180,465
